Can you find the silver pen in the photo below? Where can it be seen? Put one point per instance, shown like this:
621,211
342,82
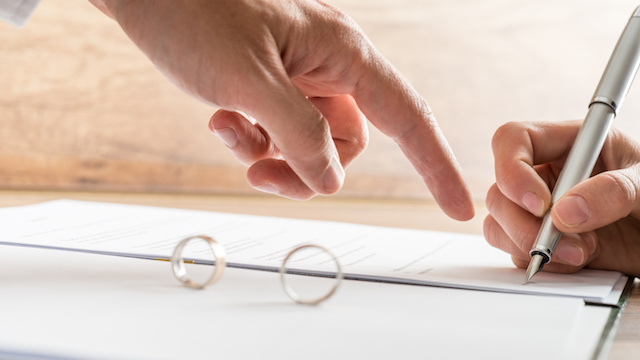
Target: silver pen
613,87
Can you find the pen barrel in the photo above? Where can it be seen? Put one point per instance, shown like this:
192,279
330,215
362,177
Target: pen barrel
578,167
585,150
622,66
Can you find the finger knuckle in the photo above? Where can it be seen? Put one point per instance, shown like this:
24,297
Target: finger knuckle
523,237
625,190
308,142
490,231
359,143
490,200
505,131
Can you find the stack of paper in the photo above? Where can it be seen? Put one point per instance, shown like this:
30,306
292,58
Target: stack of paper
81,305
365,252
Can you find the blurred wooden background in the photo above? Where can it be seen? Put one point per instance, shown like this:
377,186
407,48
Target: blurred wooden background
81,108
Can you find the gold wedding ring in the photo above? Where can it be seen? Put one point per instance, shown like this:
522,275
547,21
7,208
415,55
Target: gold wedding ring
310,301
179,270
177,263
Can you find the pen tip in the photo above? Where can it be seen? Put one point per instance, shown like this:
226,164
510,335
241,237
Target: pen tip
535,265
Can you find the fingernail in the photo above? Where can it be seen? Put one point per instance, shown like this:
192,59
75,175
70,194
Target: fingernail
590,240
228,136
334,176
572,210
570,254
268,188
533,203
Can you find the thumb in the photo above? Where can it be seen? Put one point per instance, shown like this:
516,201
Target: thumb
598,201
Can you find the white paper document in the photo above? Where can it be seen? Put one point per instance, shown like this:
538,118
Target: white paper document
70,305
365,252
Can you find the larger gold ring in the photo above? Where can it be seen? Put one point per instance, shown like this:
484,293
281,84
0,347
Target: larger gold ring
313,301
177,263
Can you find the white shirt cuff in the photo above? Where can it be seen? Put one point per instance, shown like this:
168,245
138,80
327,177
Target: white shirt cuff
17,12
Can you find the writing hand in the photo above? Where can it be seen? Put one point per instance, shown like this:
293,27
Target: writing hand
600,217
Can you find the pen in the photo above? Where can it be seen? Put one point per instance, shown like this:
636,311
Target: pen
613,87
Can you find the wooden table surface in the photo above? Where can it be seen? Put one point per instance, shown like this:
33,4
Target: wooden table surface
83,109
410,214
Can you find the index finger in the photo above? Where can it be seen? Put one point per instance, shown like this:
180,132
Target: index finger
397,110
518,147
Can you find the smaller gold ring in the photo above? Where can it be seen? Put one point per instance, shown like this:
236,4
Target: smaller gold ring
180,272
